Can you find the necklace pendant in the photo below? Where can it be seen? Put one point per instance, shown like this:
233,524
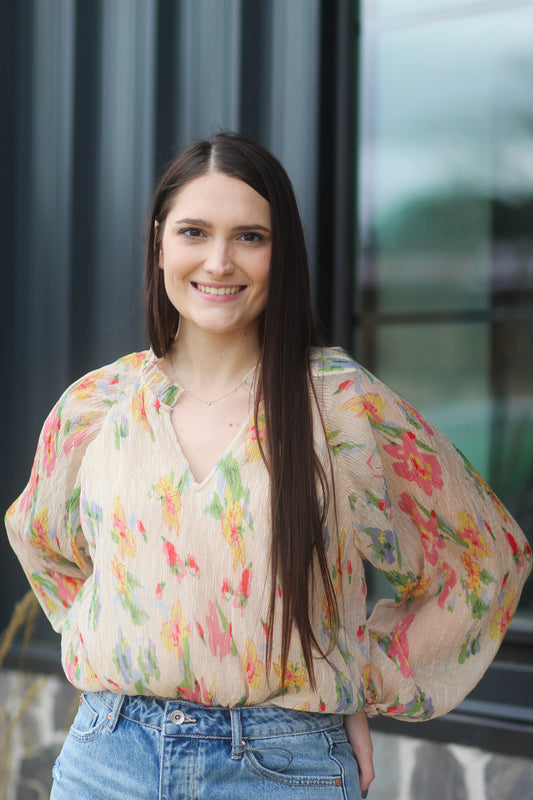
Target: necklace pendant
209,402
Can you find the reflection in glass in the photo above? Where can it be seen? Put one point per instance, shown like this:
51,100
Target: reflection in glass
444,289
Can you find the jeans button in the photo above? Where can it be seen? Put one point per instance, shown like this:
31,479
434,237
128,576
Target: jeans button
177,717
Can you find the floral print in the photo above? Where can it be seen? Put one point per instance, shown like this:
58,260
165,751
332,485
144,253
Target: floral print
160,585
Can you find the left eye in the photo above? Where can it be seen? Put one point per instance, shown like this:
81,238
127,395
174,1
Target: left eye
251,237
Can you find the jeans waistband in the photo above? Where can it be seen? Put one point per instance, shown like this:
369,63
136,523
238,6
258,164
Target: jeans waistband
183,718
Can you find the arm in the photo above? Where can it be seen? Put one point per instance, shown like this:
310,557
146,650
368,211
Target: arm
43,524
456,559
359,737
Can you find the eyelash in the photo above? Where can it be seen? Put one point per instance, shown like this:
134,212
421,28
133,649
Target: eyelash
197,233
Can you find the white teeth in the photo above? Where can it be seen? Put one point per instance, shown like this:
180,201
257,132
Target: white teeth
213,290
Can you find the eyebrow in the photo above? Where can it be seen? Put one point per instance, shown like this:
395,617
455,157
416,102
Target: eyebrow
202,223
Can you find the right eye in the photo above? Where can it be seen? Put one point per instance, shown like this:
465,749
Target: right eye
191,233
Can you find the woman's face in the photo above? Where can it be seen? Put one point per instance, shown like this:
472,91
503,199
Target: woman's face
215,254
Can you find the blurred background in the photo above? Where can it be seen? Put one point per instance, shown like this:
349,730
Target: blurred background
407,129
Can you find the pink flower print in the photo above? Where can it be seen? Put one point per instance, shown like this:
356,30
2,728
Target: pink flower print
518,556
177,567
255,438
470,533
139,412
170,500
159,591
415,464
66,588
84,389
27,497
243,591
194,569
120,532
447,579
231,529
399,647
50,431
427,527
219,640
253,667
501,619
200,693
343,386
175,632
370,405
226,589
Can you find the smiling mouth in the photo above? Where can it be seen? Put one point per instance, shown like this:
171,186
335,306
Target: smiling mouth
217,290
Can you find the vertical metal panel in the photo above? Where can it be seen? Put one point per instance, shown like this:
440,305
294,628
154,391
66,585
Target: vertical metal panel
42,278
293,133
125,170
208,68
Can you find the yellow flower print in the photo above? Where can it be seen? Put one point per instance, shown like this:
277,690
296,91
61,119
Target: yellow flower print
119,571
474,572
232,531
371,405
40,540
84,389
120,533
470,533
253,667
175,633
501,619
170,499
294,676
138,410
134,359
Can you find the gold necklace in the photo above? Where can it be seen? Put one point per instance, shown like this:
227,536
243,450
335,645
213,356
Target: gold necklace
211,402
205,402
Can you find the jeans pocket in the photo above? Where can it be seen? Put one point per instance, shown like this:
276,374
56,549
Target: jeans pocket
295,760
91,718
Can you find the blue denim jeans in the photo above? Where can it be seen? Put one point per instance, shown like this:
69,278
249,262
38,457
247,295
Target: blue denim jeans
142,748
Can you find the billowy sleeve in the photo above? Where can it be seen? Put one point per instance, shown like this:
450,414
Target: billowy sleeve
455,557
43,524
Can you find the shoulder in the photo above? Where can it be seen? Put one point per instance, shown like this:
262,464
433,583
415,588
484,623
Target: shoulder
101,387
89,397
338,367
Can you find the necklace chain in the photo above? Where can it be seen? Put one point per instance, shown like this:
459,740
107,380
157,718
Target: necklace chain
211,402
205,402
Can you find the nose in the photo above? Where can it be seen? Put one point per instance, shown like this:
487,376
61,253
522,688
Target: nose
218,261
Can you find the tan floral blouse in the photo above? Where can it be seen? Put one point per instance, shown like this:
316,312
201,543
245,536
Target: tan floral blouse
159,585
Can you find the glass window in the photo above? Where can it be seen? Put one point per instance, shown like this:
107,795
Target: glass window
444,289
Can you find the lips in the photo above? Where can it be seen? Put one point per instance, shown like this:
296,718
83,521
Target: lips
217,290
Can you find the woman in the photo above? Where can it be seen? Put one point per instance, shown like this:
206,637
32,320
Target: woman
197,518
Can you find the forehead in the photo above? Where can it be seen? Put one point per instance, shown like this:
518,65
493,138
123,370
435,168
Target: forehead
219,195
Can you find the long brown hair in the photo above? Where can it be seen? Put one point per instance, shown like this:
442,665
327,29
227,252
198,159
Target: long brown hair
299,486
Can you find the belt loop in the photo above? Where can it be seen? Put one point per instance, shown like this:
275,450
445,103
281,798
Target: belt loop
112,717
237,742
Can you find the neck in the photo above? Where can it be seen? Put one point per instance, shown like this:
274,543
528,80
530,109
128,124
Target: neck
212,362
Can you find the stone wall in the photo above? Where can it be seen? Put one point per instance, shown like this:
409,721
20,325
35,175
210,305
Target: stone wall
406,769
